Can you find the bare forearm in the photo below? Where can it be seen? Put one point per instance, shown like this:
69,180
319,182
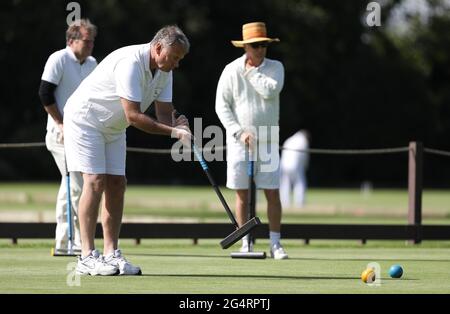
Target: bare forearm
165,119
143,122
163,112
53,111
149,125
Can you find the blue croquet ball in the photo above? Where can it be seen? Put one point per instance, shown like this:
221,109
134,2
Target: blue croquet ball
396,271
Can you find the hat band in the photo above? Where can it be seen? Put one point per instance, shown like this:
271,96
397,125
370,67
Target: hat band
254,34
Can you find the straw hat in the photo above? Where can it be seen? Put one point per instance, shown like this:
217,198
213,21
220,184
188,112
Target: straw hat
253,32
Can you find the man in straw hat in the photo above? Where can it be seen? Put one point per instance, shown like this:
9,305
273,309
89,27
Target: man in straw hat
247,103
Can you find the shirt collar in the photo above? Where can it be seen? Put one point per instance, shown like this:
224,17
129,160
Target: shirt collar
146,56
242,62
71,54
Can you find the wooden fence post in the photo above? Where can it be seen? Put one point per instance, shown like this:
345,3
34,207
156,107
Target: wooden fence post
415,165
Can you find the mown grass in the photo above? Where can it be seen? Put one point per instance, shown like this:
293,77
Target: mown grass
177,266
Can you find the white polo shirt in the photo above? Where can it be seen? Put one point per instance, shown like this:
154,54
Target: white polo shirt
124,73
64,70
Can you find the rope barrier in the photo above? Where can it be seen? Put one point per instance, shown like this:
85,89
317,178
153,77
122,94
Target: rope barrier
222,148
148,150
167,151
351,151
22,145
437,152
129,149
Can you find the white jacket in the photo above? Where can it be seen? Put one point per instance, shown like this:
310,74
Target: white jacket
248,98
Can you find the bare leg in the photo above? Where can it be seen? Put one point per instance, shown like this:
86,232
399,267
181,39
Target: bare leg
241,206
273,209
88,209
112,211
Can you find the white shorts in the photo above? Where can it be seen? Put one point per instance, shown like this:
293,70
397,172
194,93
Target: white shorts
90,151
266,173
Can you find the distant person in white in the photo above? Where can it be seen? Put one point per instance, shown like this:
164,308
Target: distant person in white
293,169
63,72
112,98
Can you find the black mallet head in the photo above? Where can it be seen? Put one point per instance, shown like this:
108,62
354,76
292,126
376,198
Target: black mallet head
240,233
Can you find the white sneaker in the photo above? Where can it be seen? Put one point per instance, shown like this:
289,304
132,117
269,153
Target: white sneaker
126,268
277,252
94,265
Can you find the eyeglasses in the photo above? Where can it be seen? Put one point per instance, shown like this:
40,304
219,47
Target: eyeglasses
263,44
87,41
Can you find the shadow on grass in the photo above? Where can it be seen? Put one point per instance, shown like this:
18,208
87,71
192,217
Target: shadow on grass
176,255
370,259
240,276
282,277
296,258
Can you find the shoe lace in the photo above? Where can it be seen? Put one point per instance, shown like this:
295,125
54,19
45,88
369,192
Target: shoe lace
117,257
90,259
278,248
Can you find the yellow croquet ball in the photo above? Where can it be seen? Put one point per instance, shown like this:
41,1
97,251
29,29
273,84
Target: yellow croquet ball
368,275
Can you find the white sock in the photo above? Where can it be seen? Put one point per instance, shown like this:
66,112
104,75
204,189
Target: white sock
245,240
274,238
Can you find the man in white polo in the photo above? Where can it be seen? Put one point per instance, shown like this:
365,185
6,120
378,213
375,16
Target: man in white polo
63,73
112,98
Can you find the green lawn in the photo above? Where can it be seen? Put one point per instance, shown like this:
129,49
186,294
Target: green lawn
201,204
177,266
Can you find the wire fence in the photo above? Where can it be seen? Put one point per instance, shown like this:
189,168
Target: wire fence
377,151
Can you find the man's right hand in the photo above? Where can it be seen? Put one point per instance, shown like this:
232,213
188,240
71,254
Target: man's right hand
60,134
183,135
248,138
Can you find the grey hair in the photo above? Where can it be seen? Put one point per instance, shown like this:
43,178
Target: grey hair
168,35
74,29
